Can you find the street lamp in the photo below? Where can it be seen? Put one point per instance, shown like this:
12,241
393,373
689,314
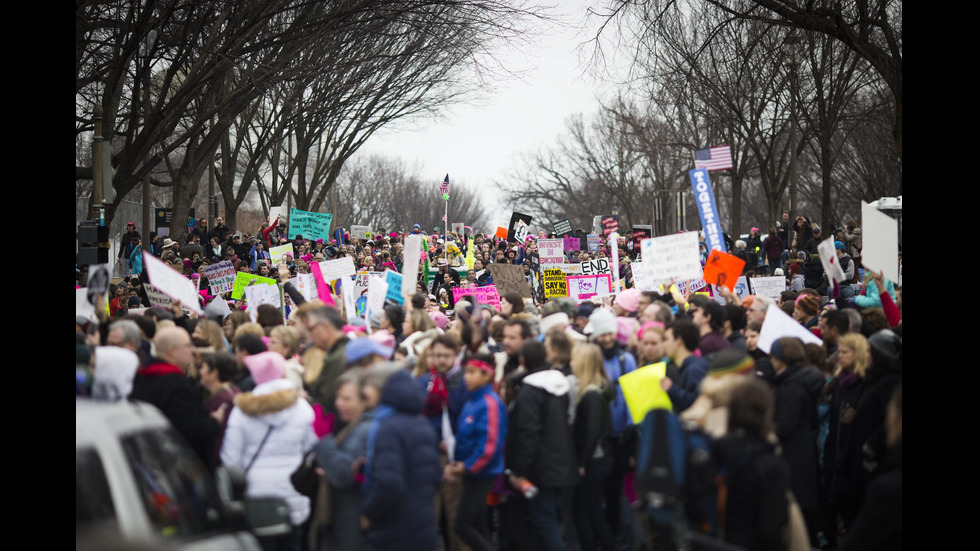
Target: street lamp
791,59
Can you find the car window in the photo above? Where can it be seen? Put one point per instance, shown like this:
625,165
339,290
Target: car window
177,494
93,499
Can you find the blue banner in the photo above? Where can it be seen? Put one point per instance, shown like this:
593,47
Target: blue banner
710,220
311,225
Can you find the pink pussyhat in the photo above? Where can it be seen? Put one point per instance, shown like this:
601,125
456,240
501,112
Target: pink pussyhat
266,366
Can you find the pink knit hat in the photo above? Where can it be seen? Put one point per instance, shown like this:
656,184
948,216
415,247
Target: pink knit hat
266,366
628,300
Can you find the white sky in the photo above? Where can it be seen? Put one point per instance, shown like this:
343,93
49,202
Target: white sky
480,144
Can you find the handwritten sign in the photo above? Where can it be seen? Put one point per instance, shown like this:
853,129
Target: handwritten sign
221,277
311,225
572,243
671,258
278,254
257,295
555,283
484,295
243,280
394,291
509,278
157,297
584,287
360,232
306,285
550,252
769,287
336,269
562,227
723,269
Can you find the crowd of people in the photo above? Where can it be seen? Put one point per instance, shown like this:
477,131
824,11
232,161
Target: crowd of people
454,423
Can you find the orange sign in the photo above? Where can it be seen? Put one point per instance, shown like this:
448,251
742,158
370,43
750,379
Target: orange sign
501,232
723,269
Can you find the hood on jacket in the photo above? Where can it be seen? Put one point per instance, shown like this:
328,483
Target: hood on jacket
551,381
402,393
268,398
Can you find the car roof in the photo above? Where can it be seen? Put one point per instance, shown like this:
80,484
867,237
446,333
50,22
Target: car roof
95,419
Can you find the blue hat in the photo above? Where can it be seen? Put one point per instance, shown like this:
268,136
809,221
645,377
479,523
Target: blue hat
839,245
358,349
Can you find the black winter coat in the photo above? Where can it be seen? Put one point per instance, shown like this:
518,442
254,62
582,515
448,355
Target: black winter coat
539,439
796,392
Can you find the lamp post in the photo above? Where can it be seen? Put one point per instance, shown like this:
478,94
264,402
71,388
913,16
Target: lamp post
792,61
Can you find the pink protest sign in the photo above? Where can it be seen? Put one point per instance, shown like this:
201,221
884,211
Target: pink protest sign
572,243
322,288
486,295
584,287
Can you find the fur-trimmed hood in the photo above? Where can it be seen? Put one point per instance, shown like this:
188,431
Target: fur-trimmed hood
268,399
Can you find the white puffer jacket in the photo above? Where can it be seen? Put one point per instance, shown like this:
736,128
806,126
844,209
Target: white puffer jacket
276,404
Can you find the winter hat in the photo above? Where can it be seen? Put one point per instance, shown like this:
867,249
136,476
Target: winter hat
839,245
602,322
439,319
809,304
358,349
625,327
778,272
384,338
730,361
885,343
628,300
265,366
134,302
558,319
375,321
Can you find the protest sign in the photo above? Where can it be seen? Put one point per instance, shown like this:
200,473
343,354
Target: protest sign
484,295
99,278
458,228
336,269
555,283
83,307
769,287
829,260
306,285
501,232
569,269
779,324
410,266
243,280
584,287
377,290
640,232
551,252
594,241
572,243
157,297
880,240
274,214
360,232
347,290
172,283
614,261
394,281
562,227
742,287
596,266
609,224
636,268
642,391
534,261
277,254
519,227
508,277
723,269
257,295
670,258
705,199
221,277
311,225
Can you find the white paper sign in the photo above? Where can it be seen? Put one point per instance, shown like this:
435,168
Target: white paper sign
83,307
377,290
410,265
157,297
769,287
278,253
336,269
880,240
221,277
172,283
274,213
670,258
551,252
257,295
306,285
779,324
360,232
828,257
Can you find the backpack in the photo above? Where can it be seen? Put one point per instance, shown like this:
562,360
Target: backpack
675,469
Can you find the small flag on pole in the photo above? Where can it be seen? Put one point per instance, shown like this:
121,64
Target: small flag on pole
444,188
715,158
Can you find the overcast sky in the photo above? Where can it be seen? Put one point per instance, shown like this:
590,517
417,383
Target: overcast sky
482,143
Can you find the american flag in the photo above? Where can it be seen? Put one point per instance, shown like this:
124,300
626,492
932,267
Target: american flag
715,158
444,187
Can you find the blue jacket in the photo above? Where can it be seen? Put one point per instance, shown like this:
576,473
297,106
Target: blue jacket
620,364
481,432
403,470
683,393
872,295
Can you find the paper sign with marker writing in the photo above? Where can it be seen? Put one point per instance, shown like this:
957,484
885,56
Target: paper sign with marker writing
311,225
172,283
584,287
779,324
278,253
550,253
336,269
394,281
360,232
484,295
257,295
723,269
642,391
508,278
572,243
769,287
671,258
243,280
221,277
274,214
829,260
